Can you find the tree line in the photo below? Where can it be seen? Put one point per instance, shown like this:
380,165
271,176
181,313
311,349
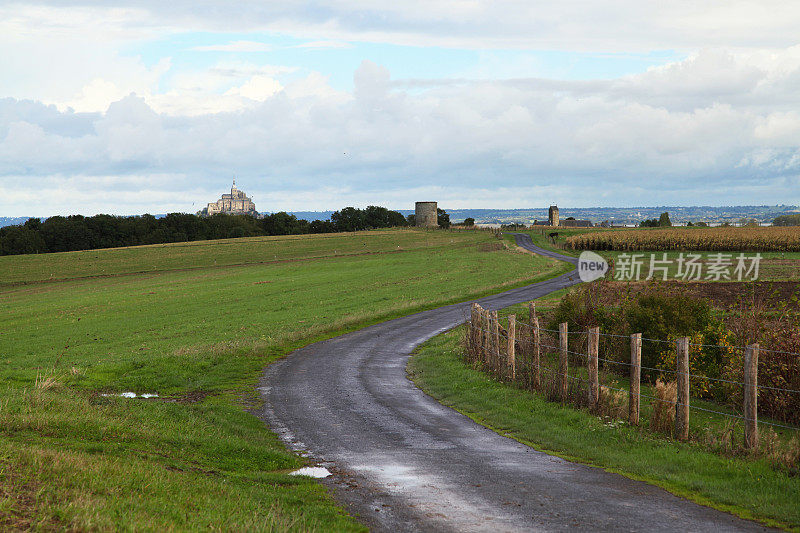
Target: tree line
76,232
787,220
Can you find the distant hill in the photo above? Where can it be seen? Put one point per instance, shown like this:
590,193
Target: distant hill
616,215
627,215
12,221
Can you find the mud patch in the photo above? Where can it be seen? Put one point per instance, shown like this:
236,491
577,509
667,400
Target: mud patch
491,247
192,397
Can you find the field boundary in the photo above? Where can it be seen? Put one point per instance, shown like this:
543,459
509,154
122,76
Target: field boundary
515,354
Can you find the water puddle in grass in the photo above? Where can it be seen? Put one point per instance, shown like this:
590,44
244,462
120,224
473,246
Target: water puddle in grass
146,395
318,472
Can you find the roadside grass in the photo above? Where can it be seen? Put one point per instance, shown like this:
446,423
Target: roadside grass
750,487
194,458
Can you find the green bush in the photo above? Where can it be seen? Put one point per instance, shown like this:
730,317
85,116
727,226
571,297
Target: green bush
581,310
663,318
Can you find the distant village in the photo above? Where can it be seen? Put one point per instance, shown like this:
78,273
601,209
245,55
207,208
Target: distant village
237,202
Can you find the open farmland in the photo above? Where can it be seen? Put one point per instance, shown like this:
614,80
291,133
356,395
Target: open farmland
722,239
195,323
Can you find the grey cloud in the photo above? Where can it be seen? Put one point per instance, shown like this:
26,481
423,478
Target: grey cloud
601,137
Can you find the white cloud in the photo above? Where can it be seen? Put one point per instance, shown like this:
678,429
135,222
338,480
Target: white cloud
325,44
257,88
235,46
724,119
307,146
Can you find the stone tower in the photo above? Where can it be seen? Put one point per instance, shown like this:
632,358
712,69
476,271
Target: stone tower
553,215
425,215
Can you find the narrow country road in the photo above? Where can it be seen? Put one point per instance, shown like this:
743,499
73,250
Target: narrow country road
403,462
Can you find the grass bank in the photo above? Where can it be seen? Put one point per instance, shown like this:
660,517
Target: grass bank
749,488
195,323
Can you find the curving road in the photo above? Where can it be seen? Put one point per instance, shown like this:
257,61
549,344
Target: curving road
403,462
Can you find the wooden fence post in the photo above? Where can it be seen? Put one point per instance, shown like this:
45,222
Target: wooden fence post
751,396
562,360
636,378
537,371
510,350
473,331
495,341
591,364
487,339
531,311
682,403
478,333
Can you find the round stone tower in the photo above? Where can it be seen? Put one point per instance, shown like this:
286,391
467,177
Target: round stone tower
553,215
425,214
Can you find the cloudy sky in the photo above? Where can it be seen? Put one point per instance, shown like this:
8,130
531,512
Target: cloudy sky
153,106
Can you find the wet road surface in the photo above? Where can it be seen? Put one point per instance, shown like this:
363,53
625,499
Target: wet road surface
403,462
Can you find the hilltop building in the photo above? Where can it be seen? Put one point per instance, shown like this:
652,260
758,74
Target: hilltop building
235,203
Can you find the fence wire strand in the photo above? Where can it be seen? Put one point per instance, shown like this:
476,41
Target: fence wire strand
546,369
660,370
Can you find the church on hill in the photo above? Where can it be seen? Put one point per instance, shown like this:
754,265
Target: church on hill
235,203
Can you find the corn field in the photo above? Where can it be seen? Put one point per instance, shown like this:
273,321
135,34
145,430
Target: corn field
767,239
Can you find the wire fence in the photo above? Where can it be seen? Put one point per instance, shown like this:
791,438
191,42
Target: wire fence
524,351
728,348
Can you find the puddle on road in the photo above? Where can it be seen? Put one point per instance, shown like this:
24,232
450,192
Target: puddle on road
318,472
132,395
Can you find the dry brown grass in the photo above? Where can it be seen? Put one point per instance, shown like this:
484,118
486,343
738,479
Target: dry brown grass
45,382
778,451
612,403
663,417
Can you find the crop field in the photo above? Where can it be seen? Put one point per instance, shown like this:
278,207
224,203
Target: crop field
767,239
773,266
195,323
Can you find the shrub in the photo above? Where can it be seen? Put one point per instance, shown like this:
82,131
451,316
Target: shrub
663,317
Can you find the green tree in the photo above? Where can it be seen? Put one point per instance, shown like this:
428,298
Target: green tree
469,221
349,219
787,220
442,218
396,219
664,221
21,240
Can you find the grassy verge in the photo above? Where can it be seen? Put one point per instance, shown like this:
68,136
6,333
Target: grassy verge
750,488
150,321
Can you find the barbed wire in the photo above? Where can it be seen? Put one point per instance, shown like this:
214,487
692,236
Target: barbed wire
690,406
660,370
662,341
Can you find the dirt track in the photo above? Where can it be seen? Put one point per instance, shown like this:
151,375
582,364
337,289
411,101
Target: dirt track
403,462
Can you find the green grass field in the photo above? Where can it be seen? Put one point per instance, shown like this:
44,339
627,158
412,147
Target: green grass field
195,323
751,488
